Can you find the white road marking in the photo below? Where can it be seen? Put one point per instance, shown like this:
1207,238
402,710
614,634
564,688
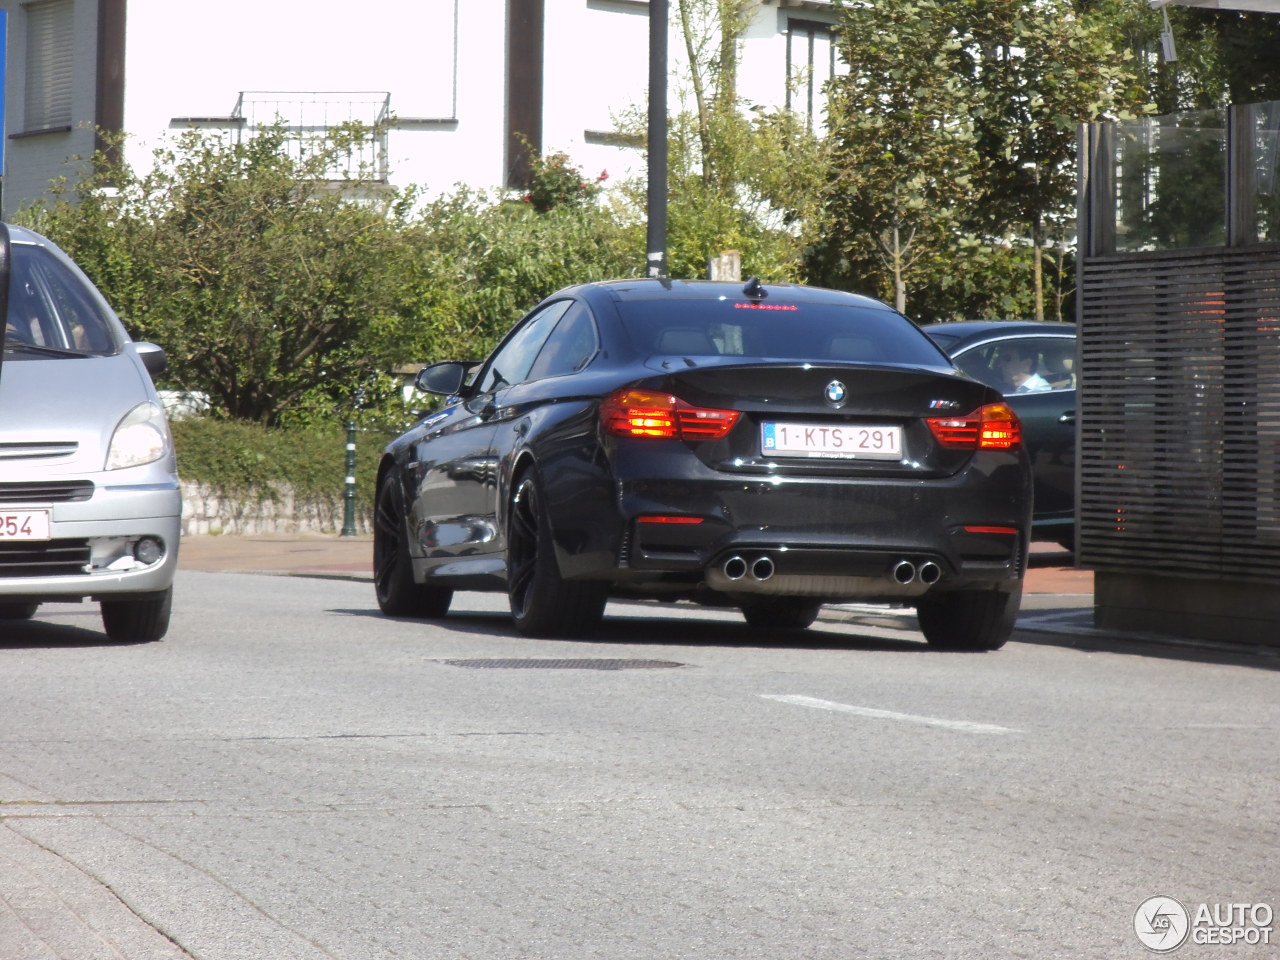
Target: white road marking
965,725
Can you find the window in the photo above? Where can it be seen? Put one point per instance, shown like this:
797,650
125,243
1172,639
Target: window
811,62
780,331
49,66
569,348
511,363
1050,358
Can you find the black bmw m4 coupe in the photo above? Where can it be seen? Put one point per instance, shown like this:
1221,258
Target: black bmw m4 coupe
765,447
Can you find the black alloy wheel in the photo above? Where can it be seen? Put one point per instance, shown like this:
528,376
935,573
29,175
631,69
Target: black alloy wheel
398,594
544,604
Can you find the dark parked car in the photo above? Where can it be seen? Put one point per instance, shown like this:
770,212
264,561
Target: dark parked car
988,350
765,447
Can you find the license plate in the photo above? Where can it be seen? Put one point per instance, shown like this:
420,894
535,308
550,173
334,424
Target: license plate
24,525
839,442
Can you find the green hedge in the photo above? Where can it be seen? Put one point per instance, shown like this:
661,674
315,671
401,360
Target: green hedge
240,460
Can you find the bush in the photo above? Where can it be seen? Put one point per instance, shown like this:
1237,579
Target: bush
245,461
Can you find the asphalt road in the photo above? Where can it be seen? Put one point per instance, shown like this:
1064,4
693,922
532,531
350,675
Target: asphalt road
290,775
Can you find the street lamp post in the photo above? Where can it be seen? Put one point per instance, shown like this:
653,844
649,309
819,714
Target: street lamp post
349,493
657,196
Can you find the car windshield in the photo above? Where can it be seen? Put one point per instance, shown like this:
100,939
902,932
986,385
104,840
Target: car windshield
51,312
819,332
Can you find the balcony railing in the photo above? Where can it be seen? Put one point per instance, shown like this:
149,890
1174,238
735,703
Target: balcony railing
310,121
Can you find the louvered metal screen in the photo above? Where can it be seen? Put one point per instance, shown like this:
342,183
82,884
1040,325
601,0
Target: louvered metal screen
1179,386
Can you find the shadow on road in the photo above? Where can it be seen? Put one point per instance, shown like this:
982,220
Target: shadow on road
623,625
37,635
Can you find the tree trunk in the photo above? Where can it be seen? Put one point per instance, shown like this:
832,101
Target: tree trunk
698,81
1037,264
899,283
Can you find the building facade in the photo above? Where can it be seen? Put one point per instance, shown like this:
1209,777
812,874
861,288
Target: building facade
455,84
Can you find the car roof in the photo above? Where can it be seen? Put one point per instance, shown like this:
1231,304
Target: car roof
646,288
19,234
964,333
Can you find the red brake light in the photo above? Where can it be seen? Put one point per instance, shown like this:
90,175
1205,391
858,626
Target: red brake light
646,413
993,427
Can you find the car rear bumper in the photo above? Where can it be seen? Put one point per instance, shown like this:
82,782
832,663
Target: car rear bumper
835,539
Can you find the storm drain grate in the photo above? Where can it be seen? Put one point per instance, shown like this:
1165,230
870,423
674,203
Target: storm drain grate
550,664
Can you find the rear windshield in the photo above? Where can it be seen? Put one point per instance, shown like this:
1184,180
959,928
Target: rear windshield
777,331
50,307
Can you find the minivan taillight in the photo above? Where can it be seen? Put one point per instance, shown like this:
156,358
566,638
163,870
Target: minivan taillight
647,413
993,427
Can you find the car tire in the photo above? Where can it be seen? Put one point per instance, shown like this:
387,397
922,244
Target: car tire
544,604
18,611
139,619
781,613
969,619
397,592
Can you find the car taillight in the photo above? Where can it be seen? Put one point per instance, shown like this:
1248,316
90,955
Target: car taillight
993,427
647,413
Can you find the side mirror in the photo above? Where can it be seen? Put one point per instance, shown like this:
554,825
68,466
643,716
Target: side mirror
445,379
153,357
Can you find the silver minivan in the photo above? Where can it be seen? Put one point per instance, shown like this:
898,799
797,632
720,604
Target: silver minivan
90,507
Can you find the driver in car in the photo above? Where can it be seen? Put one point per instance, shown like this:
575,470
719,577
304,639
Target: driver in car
1018,368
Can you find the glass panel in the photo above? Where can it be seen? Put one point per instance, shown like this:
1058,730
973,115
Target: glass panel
1266,157
776,331
1171,182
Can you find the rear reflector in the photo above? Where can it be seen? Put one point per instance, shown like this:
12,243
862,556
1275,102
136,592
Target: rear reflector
1002,531
993,427
646,413
668,519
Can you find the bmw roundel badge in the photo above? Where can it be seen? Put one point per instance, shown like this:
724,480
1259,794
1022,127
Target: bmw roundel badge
836,393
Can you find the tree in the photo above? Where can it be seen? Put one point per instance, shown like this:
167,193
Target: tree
904,153
269,285
1036,71
956,133
476,265
740,176
282,294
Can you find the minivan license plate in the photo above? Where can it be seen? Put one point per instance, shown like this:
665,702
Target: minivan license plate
24,525
832,441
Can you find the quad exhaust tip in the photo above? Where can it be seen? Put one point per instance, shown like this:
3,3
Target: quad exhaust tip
905,572
735,568
762,568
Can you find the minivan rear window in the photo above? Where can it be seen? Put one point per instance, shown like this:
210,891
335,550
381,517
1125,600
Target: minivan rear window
794,331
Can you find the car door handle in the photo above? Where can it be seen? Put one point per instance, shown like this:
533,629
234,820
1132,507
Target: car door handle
1068,417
